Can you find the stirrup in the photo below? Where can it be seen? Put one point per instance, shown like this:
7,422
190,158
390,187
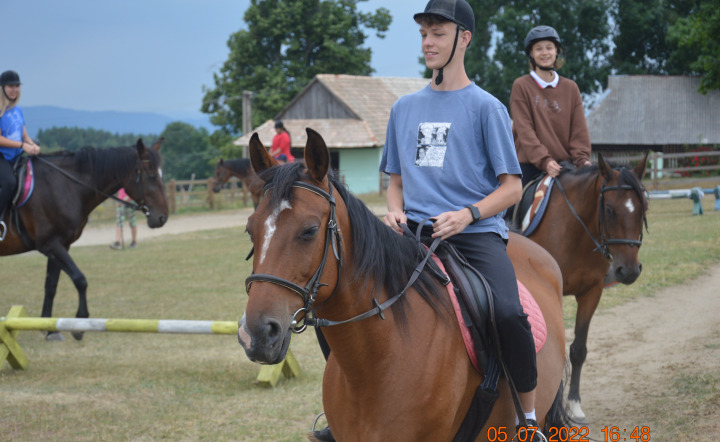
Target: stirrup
3,230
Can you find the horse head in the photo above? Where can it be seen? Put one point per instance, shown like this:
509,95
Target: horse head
220,177
622,216
145,184
295,237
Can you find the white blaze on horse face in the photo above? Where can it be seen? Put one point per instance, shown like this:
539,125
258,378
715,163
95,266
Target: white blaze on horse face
270,227
630,206
160,172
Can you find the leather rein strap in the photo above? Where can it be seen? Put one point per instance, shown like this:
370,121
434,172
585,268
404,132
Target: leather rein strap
333,239
141,206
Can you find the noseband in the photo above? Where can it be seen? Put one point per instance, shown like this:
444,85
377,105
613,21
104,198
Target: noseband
604,242
333,239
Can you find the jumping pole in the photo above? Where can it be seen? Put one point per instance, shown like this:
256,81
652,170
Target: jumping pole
17,320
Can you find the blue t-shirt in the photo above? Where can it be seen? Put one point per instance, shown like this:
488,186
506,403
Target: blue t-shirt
12,123
450,147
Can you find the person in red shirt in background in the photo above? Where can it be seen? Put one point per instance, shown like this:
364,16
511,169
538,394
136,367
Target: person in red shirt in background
281,144
124,212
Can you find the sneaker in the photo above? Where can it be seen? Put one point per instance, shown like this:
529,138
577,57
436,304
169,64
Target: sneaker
133,245
531,433
324,435
115,246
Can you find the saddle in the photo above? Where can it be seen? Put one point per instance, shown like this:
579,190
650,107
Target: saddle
472,300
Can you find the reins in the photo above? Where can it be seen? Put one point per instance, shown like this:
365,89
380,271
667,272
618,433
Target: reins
604,242
141,206
308,293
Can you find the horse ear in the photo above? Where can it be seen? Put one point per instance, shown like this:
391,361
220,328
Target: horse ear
640,168
140,147
317,157
220,162
158,143
259,156
605,169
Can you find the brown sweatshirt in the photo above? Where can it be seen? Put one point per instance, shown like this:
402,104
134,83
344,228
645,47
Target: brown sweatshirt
548,123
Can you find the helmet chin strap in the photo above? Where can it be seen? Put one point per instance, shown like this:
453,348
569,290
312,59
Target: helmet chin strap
439,77
543,68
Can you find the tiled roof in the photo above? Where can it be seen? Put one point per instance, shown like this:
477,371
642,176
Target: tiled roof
370,98
655,110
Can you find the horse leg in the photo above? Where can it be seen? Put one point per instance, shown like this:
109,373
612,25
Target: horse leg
52,276
587,303
62,259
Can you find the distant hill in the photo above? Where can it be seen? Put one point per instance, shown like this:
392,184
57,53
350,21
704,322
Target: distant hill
45,117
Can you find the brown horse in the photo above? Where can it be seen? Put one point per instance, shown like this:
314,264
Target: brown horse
68,186
242,169
593,228
404,375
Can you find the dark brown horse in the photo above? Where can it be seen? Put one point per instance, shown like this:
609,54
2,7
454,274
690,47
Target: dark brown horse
319,251
598,243
68,186
242,169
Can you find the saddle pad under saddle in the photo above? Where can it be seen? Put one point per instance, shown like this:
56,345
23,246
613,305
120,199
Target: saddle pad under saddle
533,212
25,184
530,307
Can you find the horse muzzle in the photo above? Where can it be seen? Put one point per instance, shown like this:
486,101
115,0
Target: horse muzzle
266,343
627,274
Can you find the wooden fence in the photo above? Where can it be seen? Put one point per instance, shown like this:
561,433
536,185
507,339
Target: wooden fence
667,165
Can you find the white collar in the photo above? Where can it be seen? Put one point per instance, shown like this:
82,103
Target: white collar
542,83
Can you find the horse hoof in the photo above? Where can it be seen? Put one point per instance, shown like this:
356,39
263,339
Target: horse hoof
78,335
54,336
576,413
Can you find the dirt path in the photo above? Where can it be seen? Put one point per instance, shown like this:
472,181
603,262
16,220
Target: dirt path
637,352
640,354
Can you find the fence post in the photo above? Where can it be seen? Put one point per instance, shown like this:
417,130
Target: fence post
210,197
171,196
655,171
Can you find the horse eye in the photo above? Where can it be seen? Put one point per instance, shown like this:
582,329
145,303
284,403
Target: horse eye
309,233
610,211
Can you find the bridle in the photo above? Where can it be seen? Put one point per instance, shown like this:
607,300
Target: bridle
605,241
333,239
141,206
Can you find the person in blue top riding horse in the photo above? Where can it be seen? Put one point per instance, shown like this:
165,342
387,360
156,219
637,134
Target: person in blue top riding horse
14,138
451,158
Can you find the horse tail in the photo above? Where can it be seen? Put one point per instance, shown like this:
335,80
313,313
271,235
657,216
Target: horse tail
557,417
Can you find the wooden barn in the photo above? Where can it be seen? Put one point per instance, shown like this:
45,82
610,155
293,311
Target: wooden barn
351,113
663,113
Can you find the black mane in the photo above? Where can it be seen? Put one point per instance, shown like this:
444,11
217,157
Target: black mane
383,258
110,162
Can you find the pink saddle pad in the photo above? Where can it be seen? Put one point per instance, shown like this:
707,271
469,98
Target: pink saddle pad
530,307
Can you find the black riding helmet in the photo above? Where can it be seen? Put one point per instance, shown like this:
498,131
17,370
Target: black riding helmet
458,12
539,33
9,78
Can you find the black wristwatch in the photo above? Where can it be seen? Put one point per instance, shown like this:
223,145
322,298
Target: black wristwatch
475,213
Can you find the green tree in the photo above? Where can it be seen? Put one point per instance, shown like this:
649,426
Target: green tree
286,43
187,150
496,56
697,38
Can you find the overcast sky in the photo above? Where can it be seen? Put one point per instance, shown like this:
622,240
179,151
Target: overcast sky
151,55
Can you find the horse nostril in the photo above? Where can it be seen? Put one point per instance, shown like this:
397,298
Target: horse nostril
273,329
639,268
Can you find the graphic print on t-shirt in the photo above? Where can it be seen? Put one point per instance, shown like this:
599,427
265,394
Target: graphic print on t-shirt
432,144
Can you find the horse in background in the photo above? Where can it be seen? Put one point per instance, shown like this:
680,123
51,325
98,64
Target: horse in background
403,374
593,227
242,169
68,186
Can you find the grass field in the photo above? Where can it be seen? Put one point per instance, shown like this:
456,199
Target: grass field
117,386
